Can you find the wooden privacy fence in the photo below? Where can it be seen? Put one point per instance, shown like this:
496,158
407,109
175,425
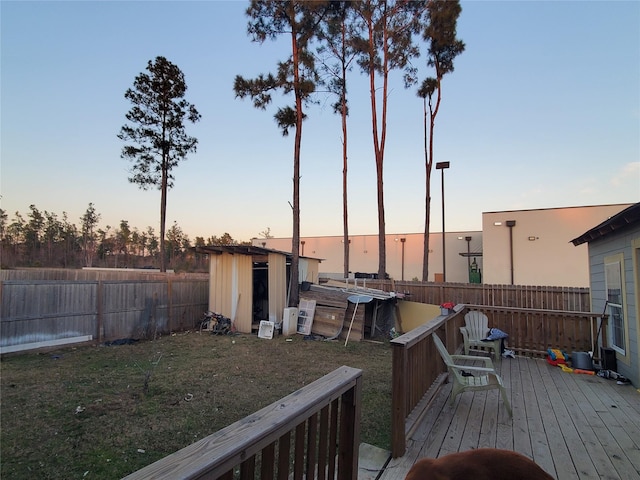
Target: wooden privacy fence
418,372
519,296
41,313
313,433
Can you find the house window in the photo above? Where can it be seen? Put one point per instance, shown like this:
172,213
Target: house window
613,284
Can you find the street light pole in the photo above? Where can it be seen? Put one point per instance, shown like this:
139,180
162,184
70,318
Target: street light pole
402,240
442,166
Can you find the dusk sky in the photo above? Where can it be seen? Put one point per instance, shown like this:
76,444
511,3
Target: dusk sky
542,110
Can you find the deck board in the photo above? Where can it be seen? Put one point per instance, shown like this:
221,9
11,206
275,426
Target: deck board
559,429
574,426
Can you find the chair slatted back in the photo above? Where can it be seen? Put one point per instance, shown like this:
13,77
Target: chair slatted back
442,350
477,325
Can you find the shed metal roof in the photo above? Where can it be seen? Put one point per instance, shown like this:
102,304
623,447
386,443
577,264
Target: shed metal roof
628,216
244,250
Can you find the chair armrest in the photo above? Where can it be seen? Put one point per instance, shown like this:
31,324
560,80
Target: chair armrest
475,358
466,368
487,361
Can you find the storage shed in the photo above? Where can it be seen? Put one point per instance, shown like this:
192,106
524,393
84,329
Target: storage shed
248,283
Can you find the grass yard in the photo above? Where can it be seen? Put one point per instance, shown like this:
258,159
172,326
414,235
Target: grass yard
102,412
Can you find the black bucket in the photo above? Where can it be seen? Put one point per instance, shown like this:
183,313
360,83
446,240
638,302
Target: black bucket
608,356
581,360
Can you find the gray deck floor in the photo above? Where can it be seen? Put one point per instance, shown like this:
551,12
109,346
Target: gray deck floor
575,426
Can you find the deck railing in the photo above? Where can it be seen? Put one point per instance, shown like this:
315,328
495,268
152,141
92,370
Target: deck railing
312,433
533,331
418,371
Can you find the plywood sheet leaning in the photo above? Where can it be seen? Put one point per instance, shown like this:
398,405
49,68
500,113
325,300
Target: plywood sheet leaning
414,314
333,305
330,310
328,321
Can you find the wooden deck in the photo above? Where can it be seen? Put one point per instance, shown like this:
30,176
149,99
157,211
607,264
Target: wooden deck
575,426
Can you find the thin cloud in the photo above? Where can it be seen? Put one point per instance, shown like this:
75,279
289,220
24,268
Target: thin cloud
629,172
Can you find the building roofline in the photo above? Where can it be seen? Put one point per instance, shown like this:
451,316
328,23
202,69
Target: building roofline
355,235
563,208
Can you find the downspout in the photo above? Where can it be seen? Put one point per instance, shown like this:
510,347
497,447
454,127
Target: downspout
511,224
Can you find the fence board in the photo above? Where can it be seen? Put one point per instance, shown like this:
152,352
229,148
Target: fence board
22,305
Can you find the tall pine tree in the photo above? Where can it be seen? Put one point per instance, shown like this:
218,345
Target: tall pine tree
156,132
299,20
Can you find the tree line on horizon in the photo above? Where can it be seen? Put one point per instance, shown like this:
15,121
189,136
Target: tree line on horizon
43,239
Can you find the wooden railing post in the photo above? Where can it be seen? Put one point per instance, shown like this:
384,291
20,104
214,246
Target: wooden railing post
399,355
350,432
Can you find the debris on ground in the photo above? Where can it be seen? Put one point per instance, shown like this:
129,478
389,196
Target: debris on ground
121,341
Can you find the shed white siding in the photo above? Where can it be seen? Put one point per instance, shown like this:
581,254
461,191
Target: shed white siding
277,286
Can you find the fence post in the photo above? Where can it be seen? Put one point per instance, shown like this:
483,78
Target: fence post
170,304
99,311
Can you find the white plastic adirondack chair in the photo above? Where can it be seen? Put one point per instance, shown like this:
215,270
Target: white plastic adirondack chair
477,328
476,378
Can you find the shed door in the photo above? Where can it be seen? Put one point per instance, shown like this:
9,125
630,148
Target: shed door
231,288
277,286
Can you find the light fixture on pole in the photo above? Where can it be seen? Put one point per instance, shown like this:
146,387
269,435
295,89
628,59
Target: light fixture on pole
442,166
468,239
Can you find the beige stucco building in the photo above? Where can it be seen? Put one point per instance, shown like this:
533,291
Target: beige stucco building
533,247
524,247
404,254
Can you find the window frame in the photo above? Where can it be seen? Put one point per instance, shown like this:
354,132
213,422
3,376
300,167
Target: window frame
614,278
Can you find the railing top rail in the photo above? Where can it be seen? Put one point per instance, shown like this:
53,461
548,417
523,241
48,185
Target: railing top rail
540,311
413,336
219,452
